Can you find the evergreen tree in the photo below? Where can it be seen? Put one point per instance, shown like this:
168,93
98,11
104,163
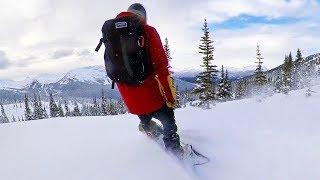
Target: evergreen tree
45,113
66,107
168,53
178,96
54,110
309,74
228,87
239,92
60,111
287,74
260,78
42,110
37,107
3,117
205,80
298,73
27,111
121,107
14,119
277,84
86,110
112,108
95,110
224,90
104,104
76,110
221,86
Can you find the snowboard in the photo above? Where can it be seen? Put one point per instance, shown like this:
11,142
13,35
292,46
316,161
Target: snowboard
190,157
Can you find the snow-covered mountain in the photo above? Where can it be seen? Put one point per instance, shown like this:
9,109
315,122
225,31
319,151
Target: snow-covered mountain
275,139
86,82
91,75
234,73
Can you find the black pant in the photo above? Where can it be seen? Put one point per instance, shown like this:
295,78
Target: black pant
166,116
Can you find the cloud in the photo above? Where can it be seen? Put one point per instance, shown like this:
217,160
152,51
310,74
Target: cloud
84,53
62,53
25,62
48,30
237,47
4,61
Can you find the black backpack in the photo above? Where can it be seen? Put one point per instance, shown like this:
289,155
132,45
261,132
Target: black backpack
126,57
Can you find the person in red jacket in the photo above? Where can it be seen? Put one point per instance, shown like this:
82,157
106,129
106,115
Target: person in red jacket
156,96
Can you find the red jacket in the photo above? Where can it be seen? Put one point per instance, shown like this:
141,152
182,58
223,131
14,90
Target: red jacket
158,89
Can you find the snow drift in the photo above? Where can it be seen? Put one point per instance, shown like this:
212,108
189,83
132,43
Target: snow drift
276,139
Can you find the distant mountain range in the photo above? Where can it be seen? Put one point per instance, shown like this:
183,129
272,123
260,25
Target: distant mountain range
87,82
84,83
234,73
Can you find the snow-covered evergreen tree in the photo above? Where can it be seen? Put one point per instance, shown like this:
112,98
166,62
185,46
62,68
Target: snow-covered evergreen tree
220,93
241,89
66,107
104,104
27,111
86,110
121,107
3,116
298,71
178,94
205,80
43,112
14,119
95,109
112,109
60,110
228,87
168,53
54,110
76,110
224,89
38,112
260,77
287,74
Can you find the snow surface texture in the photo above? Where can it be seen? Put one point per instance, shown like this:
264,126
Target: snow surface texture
276,139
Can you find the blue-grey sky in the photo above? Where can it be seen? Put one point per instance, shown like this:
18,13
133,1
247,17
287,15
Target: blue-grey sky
53,36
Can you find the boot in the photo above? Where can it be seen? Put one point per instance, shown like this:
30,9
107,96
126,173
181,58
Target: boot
152,129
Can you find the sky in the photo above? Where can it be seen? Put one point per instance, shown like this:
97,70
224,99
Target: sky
54,36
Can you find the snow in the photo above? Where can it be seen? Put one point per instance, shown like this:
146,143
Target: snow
94,74
10,84
277,138
91,74
49,78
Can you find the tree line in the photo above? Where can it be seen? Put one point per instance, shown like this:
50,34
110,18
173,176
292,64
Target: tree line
36,109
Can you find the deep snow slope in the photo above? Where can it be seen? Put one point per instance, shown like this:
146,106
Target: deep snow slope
276,139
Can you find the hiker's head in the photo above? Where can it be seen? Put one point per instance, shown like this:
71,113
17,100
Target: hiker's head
139,10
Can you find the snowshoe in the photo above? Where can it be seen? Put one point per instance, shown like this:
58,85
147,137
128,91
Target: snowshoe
192,156
186,154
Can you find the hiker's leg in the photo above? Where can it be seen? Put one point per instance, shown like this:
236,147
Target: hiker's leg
171,139
144,122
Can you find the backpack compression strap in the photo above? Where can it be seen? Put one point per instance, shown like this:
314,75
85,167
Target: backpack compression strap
100,44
